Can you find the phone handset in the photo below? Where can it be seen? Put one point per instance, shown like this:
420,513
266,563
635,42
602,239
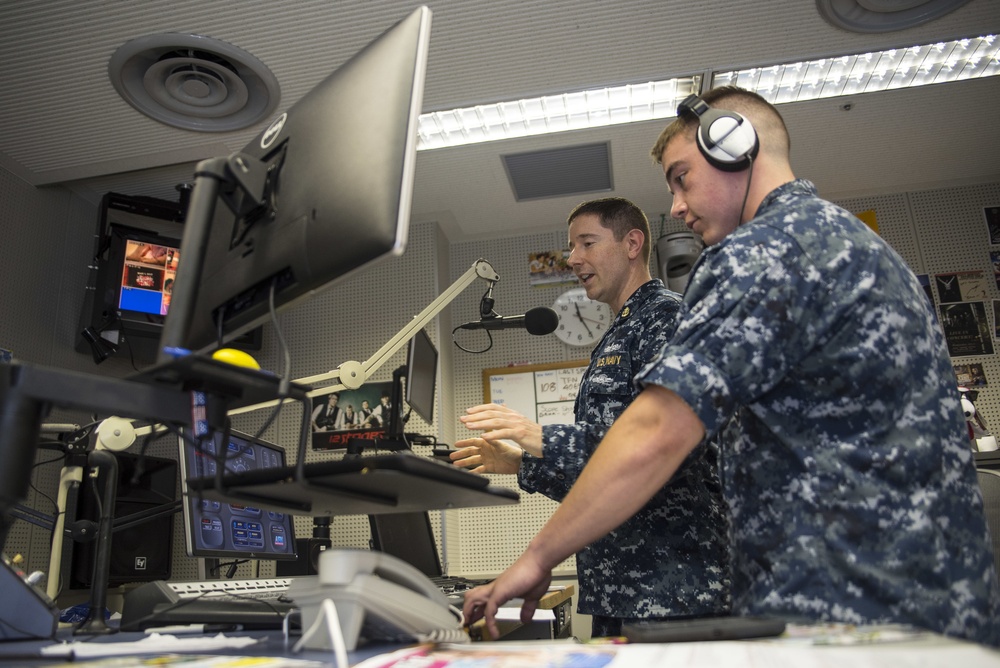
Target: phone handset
341,567
376,596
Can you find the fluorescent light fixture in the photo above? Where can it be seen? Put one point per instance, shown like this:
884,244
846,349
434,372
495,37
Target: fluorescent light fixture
555,113
957,60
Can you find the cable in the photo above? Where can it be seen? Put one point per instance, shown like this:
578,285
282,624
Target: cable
746,193
282,345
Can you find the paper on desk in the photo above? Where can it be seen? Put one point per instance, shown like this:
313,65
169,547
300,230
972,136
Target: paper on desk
514,615
781,654
154,643
543,654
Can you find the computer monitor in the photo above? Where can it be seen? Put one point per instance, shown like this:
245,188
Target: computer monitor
232,530
407,536
322,192
421,375
144,267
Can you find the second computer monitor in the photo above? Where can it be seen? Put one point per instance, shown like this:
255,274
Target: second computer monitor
232,530
421,375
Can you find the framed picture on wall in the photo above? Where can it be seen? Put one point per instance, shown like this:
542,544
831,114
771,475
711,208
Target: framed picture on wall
966,329
352,414
991,214
970,375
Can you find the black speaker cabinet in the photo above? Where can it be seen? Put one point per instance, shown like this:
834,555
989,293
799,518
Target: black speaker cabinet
140,553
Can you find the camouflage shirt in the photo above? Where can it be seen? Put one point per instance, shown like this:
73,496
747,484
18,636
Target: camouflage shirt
849,475
671,557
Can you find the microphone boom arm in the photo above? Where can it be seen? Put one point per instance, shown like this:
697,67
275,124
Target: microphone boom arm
352,375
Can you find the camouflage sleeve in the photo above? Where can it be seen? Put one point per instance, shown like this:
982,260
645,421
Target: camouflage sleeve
757,314
567,449
606,391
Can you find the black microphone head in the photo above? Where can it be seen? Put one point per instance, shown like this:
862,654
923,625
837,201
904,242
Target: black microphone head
541,320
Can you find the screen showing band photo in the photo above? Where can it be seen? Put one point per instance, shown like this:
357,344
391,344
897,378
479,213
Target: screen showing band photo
235,530
148,277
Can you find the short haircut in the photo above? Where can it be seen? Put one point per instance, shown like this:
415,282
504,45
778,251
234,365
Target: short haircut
618,215
765,118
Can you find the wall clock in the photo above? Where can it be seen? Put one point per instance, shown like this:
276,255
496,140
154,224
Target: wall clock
582,321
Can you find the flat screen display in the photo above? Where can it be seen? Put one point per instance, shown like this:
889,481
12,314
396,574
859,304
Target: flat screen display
147,278
421,375
232,530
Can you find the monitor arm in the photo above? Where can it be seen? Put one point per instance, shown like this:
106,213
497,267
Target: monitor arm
352,375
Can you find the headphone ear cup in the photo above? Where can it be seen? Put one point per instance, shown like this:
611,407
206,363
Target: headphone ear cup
727,140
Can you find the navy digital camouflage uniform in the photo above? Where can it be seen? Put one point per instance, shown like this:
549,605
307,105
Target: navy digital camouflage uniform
671,558
849,478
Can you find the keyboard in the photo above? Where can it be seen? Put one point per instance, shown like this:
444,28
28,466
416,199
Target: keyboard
251,604
454,587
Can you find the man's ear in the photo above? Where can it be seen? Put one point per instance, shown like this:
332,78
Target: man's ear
634,239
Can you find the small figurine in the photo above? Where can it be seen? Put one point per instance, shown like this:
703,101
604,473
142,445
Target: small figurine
979,433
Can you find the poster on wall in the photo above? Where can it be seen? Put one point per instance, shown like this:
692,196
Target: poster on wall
966,329
549,268
970,375
995,261
991,214
352,414
962,286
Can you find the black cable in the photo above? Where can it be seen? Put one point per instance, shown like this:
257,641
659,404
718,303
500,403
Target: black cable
128,344
466,350
746,193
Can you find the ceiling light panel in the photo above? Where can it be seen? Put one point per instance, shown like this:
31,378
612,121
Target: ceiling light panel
555,113
940,62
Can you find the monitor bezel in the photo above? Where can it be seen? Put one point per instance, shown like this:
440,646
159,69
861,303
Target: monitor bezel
192,514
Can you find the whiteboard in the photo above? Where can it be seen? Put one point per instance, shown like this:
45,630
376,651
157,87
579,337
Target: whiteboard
544,393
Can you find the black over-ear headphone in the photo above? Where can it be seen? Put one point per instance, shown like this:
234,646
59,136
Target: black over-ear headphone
726,139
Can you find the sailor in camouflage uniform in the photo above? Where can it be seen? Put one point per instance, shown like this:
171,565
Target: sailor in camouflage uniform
810,345
671,558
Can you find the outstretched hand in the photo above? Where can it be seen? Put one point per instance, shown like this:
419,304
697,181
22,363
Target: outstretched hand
525,579
499,422
482,456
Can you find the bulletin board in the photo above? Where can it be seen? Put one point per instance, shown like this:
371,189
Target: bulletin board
543,392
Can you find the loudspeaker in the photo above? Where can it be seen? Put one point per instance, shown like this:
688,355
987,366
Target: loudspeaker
307,563
726,139
140,553
676,254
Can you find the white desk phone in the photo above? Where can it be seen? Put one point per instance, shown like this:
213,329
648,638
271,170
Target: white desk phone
376,596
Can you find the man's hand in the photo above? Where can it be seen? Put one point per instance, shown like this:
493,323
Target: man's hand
482,456
498,422
526,579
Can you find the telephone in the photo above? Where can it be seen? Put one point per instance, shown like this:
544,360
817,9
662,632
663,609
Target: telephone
377,597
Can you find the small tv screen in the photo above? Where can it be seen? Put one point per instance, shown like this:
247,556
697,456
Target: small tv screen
136,282
148,274
232,530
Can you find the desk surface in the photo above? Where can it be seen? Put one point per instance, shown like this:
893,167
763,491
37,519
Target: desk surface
925,650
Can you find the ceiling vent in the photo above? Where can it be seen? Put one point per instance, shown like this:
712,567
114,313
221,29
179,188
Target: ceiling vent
872,16
194,82
557,172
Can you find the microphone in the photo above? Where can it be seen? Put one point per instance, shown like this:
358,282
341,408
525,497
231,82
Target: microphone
537,321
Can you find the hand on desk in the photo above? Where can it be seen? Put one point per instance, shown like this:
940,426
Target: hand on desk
525,579
482,456
497,422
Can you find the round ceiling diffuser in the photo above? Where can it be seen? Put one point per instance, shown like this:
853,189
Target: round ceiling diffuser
883,15
194,82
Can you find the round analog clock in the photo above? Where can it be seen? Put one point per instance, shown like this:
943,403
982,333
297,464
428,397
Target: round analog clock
582,321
